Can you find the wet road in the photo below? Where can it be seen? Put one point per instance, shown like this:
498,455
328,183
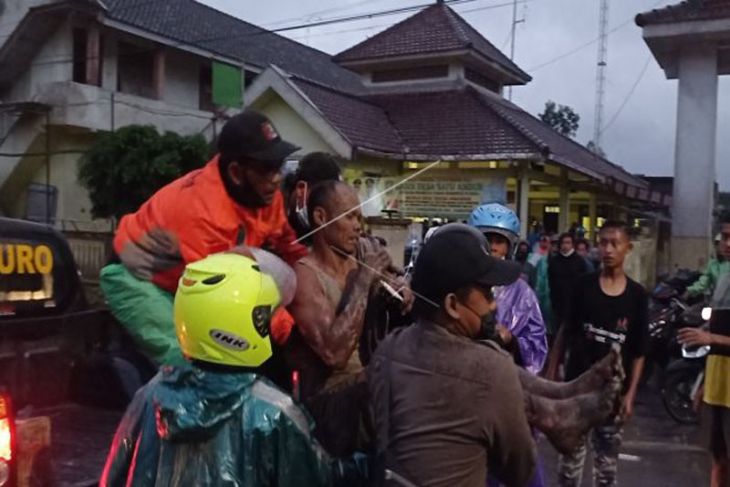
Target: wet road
656,451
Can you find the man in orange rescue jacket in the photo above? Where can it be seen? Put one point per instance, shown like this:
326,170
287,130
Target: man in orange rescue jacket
233,201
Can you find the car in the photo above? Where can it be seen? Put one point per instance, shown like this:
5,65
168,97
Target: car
67,369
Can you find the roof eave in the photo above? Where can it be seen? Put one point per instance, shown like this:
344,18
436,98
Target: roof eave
513,78
168,41
408,156
14,58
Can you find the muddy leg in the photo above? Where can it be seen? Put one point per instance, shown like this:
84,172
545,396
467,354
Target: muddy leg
566,422
592,380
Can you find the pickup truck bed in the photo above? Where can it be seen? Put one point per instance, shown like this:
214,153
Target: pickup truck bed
80,439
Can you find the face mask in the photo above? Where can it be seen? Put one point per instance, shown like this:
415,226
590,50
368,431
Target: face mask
300,204
567,254
243,194
488,326
302,215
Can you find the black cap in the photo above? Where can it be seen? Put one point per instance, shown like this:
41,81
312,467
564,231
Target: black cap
455,257
251,135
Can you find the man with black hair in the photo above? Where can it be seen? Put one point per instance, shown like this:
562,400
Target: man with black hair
234,200
607,307
314,168
715,408
335,286
583,248
565,267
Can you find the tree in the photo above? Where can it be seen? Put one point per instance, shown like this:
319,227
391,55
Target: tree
591,146
561,117
123,169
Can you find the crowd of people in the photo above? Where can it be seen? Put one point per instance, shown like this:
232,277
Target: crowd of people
294,352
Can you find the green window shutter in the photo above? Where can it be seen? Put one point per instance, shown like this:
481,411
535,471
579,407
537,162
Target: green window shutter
227,85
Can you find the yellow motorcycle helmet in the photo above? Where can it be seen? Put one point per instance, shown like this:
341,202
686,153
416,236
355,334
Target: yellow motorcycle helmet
223,309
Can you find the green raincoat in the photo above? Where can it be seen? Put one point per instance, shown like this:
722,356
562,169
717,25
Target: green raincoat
706,283
190,426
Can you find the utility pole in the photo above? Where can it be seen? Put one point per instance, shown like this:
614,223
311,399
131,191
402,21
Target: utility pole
512,41
601,74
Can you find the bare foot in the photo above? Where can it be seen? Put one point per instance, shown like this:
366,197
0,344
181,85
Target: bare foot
601,373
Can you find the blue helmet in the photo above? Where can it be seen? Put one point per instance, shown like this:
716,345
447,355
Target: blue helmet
496,218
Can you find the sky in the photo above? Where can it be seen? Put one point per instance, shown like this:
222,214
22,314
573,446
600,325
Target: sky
556,43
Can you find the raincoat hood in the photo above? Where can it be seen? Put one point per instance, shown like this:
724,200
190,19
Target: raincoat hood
192,404
190,426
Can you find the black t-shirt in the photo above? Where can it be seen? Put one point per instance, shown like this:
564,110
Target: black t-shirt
596,314
563,274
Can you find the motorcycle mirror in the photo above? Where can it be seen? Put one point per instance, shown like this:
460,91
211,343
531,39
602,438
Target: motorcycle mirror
706,313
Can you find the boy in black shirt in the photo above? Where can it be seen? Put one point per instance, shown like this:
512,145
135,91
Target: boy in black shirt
608,307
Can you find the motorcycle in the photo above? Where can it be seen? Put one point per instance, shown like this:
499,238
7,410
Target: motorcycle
684,377
666,309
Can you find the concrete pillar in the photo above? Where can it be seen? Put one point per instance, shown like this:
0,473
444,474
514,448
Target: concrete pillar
593,215
524,205
159,74
564,203
93,56
694,167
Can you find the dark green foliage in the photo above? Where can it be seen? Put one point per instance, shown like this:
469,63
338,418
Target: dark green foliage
124,168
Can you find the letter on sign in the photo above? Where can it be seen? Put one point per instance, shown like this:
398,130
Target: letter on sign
25,259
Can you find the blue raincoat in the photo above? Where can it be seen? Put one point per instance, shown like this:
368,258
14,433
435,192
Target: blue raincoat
193,427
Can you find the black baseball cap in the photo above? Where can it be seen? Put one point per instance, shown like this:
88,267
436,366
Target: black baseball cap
455,257
251,135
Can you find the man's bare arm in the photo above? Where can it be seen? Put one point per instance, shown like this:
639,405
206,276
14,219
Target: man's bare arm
333,337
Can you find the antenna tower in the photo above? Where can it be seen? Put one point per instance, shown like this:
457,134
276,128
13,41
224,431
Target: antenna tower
601,73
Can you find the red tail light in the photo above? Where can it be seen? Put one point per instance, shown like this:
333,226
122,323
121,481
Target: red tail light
7,439
6,429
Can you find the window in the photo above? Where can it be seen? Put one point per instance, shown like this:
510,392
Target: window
41,203
86,55
79,55
481,80
205,88
136,68
405,74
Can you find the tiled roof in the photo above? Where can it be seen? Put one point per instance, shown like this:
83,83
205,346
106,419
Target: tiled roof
564,148
460,122
435,29
688,10
452,123
362,123
190,22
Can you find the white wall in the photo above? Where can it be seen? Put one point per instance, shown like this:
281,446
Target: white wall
291,126
52,63
182,79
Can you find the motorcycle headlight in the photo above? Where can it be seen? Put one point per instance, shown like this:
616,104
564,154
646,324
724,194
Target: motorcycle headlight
706,313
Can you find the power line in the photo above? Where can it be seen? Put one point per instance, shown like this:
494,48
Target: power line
358,29
489,7
587,44
319,23
319,12
628,95
365,16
